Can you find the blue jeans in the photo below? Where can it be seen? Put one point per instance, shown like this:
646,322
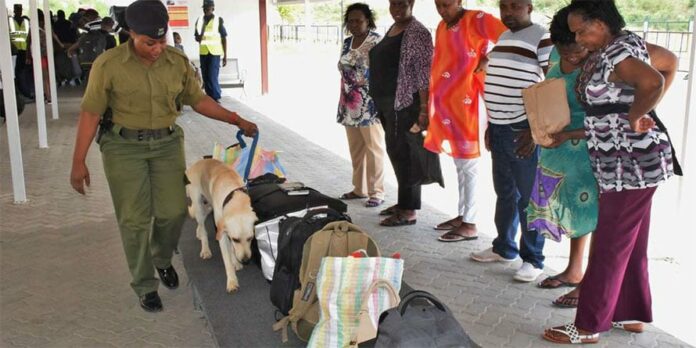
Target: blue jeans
513,180
210,71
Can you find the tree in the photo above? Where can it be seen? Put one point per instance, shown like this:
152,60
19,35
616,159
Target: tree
632,10
290,13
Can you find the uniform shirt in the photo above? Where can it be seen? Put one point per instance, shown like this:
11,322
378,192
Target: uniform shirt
515,63
141,97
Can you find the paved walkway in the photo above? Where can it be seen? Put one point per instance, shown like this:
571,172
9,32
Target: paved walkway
64,280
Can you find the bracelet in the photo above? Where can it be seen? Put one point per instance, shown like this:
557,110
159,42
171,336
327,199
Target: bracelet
234,119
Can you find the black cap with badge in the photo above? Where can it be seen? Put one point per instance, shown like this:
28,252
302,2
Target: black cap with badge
148,17
208,3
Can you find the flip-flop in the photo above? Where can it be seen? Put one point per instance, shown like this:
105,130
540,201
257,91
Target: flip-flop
449,224
351,195
566,302
548,283
396,220
374,202
455,237
389,211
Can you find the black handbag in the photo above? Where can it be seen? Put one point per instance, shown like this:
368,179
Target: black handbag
424,168
419,323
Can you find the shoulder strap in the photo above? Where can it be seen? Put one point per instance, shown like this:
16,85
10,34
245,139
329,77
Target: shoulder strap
315,248
675,162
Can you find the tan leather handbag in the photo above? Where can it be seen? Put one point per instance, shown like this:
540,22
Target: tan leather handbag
367,329
546,104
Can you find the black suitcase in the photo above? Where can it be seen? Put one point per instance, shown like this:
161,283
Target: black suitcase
269,201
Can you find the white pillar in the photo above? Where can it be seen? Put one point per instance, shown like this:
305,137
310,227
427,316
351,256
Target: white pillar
38,75
686,183
12,123
51,60
307,20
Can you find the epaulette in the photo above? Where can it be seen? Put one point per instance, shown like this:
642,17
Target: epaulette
178,52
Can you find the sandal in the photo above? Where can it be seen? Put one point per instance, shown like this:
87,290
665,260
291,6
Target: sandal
453,236
394,209
374,202
566,302
628,325
555,282
569,334
449,224
397,220
351,195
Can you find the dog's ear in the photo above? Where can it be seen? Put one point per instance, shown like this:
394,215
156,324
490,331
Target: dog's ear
220,229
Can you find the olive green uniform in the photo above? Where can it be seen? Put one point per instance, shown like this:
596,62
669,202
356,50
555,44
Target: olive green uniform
146,171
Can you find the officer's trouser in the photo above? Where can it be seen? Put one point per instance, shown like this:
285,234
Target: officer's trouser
146,179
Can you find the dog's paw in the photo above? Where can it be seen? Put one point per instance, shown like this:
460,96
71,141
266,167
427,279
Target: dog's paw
232,286
206,254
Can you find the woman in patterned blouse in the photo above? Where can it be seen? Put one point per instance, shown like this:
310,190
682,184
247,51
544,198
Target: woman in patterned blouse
356,109
399,77
630,157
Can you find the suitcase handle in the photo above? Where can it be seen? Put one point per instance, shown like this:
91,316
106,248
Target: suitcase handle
328,211
252,151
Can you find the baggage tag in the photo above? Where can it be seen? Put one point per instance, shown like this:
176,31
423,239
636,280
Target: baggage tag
298,193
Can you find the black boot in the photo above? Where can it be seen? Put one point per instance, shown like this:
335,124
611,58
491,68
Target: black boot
169,277
151,302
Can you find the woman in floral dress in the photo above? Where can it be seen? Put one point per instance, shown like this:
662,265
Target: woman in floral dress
356,109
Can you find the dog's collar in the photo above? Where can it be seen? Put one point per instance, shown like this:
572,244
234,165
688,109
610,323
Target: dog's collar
231,194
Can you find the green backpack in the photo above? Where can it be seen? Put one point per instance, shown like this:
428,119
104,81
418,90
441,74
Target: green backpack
338,239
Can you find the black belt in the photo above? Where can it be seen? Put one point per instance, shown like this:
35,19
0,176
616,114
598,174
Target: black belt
145,134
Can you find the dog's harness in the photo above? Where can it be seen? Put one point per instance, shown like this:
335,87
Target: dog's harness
231,194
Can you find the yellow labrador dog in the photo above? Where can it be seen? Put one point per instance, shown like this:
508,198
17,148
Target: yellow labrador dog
213,183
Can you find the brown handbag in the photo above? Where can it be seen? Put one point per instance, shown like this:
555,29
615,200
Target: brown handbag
546,104
366,330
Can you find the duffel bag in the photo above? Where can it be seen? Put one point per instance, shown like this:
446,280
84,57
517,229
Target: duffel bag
270,201
417,323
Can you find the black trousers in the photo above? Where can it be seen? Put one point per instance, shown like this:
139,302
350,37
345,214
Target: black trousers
22,75
396,124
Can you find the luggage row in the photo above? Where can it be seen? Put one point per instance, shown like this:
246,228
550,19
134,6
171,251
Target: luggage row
329,281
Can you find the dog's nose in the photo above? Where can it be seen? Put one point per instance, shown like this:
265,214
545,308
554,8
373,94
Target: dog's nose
246,261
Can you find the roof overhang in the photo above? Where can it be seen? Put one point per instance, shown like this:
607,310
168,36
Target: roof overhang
291,2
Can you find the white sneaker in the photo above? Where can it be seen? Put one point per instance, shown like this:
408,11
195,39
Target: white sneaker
488,256
527,273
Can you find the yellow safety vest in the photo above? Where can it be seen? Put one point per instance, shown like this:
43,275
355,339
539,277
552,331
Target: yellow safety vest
117,38
19,33
211,42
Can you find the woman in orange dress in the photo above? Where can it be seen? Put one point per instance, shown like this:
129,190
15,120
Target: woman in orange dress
456,82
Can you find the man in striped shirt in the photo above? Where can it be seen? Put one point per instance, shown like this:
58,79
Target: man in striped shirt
519,59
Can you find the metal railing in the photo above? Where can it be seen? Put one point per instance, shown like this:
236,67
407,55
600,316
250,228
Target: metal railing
677,41
672,35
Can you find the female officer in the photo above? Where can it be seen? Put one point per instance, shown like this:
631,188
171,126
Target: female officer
143,84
